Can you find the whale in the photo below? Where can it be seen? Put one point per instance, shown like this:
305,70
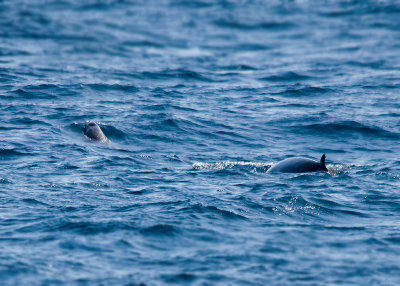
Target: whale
92,131
299,165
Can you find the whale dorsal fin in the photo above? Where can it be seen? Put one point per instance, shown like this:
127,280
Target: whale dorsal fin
323,159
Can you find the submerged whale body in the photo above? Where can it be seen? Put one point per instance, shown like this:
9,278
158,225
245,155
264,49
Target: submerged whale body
92,131
299,165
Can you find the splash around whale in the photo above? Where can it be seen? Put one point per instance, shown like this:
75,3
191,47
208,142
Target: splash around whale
92,131
299,165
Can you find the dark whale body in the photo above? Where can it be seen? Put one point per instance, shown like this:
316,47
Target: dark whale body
298,165
92,131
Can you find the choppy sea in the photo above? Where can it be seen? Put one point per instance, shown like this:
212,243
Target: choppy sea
199,99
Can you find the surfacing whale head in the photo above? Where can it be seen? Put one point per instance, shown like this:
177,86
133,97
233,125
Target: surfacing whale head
92,131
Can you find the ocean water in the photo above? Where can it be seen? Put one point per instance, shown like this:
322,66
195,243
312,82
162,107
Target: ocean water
199,99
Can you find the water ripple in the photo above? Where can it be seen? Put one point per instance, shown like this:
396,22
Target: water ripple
198,99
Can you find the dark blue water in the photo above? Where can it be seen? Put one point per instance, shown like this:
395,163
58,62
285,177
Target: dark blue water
199,99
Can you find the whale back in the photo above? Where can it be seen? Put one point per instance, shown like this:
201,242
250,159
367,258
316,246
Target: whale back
93,132
299,165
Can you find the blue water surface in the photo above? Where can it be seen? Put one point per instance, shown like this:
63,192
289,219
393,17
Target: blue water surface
199,99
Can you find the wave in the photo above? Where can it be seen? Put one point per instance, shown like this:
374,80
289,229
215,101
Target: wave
293,205
345,127
92,228
143,43
44,91
160,229
241,67
177,73
181,278
28,121
241,165
192,4
11,153
286,76
369,7
7,77
113,133
108,87
5,181
213,210
272,25
378,64
304,91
